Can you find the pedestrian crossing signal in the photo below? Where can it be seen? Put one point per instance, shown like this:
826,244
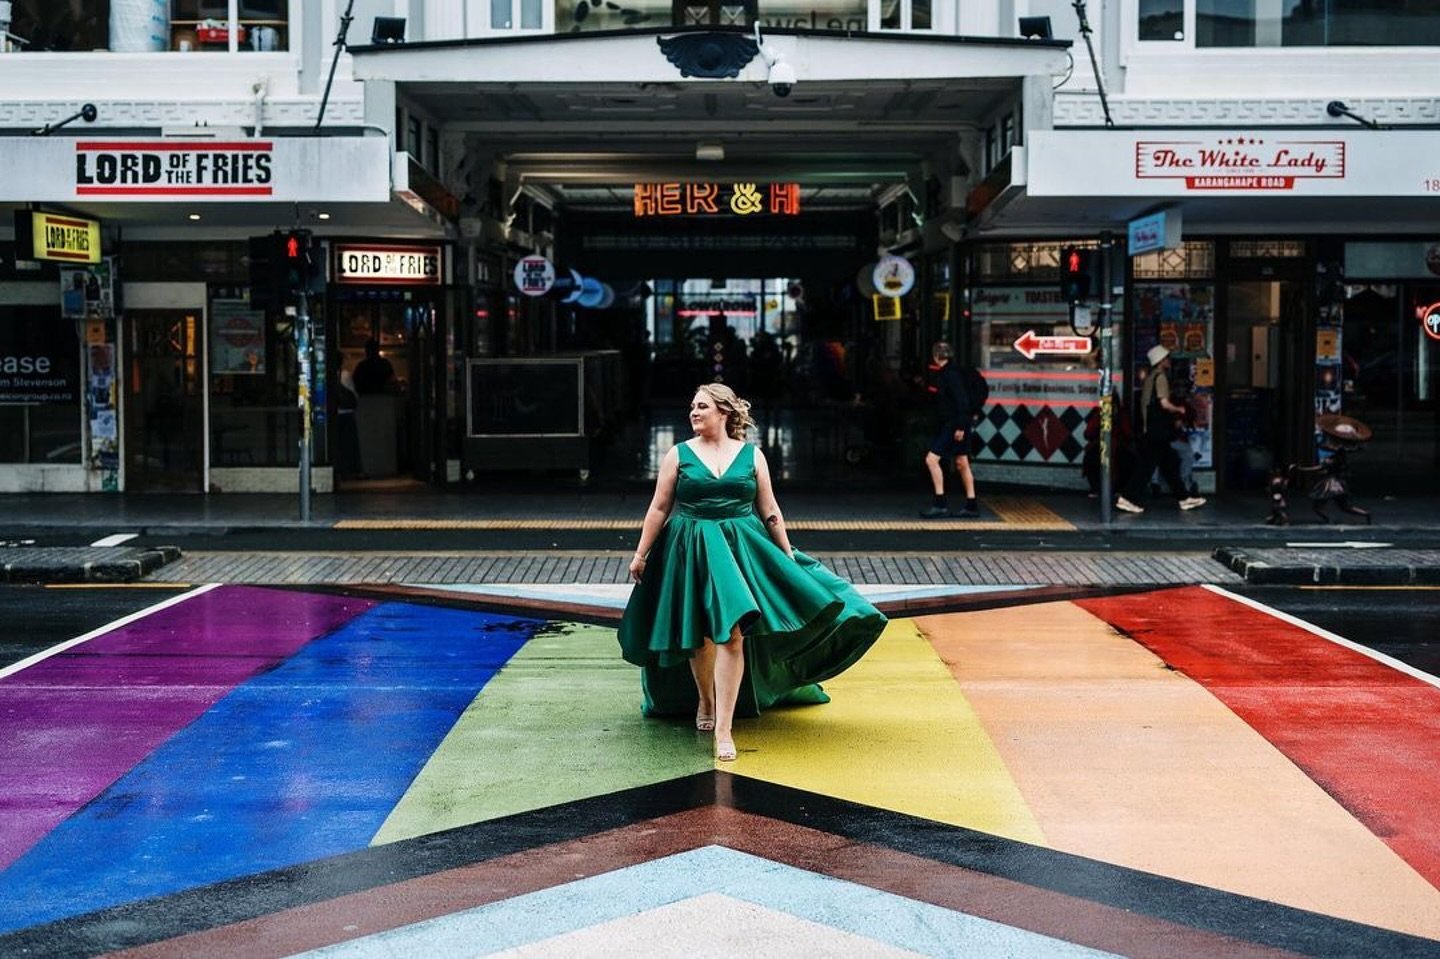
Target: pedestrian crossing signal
283,266
1080,278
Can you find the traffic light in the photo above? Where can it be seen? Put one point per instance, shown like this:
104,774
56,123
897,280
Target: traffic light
265,289
304,264
283,266
1074,274
1082,274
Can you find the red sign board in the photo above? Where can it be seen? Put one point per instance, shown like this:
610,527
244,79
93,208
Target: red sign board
1240,162
1029,345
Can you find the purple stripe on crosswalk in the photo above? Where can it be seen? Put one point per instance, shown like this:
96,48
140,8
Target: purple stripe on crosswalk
77,721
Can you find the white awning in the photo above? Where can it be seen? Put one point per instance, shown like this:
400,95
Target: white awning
636,58
1233,180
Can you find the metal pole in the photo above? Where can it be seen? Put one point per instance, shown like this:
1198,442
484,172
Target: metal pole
1085,32
1107,407
345,19
303,346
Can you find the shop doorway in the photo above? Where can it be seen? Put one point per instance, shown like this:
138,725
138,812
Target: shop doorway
1265,409
388,346
164,408
1390,384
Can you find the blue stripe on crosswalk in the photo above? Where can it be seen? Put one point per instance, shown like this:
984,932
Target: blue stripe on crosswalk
302,762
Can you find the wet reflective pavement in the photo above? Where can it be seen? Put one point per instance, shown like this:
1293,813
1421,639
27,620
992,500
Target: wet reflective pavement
422,769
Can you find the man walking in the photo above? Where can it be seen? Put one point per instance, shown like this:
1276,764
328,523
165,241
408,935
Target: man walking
1159,413
954,412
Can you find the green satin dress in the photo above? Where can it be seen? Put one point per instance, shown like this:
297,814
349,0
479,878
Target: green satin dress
714,566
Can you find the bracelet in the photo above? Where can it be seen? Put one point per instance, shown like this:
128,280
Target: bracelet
641,557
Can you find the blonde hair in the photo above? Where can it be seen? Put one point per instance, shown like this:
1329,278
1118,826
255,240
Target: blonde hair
736,410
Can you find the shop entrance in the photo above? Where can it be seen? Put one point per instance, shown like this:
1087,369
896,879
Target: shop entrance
1264,407
1390,384
164,408
387,341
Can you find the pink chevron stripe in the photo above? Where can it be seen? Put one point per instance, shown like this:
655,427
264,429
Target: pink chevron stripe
80,719
1362,730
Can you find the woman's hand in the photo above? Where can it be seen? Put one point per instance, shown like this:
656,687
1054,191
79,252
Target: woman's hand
637,567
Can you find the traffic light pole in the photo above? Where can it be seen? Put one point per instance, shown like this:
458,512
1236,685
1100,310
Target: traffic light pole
303,350
1105,327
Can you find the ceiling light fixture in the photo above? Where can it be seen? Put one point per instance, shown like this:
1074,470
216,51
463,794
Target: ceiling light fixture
322,216
194,216
709,150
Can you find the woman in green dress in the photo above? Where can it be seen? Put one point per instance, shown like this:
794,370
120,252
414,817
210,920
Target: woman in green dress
726,616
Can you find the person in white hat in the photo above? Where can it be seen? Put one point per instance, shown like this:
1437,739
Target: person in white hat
1158,425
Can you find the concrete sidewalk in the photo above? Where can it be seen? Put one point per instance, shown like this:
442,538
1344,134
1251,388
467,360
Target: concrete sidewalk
1234,516
495,535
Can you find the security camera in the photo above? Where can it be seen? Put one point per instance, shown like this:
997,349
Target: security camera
782,78
780,75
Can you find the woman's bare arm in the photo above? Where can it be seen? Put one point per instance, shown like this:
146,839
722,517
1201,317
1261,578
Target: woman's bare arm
660,505
768,507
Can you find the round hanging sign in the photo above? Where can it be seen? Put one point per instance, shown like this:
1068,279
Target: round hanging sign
534,275
893,276
1430,320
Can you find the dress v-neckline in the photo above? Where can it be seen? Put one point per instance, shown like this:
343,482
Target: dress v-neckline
706,466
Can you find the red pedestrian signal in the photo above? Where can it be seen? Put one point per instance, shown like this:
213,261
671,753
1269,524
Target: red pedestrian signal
285,266
1081,274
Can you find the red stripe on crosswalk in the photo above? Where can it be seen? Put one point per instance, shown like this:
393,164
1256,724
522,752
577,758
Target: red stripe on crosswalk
1365,732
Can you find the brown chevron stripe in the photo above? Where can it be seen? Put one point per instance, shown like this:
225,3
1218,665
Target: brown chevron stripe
443,893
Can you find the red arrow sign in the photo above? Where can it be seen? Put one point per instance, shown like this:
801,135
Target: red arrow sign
1029,344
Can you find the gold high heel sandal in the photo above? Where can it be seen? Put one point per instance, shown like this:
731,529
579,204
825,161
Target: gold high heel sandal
725,750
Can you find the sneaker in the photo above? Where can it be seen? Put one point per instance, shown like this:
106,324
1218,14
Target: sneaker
1190,502
934,512
965,513
1122,503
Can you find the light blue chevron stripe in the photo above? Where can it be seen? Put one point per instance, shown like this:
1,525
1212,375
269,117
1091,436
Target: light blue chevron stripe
879,916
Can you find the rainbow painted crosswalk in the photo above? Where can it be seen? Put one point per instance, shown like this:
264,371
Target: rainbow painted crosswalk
398,768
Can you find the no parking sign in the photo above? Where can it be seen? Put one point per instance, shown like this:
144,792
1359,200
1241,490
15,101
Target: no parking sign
534,276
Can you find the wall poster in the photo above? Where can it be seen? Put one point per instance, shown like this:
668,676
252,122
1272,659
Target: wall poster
237,338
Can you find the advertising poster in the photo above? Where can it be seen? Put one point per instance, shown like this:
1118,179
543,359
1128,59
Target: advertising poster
1329,337
101,396
237,339
87,291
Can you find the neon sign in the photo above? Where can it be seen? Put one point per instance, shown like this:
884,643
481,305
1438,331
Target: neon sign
717,199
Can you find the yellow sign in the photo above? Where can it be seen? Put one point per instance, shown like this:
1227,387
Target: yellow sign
1204,371
65,238
699,199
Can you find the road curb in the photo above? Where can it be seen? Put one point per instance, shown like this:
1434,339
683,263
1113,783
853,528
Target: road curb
87,565
1333,568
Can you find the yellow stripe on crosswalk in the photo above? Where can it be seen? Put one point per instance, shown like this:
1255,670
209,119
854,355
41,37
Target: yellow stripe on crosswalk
898,734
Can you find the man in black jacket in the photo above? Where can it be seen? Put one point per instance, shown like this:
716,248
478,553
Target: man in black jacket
953,414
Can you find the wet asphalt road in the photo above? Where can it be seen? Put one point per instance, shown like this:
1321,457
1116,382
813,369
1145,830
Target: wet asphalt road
34,618
1401,623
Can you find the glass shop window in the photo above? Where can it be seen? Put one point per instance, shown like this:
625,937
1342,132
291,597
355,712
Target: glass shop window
41,388
1160,19
1317,23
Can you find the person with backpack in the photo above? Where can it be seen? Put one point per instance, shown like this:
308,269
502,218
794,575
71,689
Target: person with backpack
956,407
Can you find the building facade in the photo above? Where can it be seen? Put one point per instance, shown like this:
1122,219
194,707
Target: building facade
1275,165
